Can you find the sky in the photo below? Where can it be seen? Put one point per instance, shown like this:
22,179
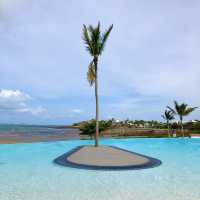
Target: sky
151,59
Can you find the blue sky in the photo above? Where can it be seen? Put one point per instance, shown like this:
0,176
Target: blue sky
151,58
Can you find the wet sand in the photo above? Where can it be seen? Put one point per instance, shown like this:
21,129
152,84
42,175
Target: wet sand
14,137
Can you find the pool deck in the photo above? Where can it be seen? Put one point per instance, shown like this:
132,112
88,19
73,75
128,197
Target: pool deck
105,158
195,135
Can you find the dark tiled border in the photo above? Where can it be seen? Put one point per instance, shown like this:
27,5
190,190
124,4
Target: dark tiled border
62,160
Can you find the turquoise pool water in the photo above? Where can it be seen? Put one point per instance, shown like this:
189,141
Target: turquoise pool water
28,173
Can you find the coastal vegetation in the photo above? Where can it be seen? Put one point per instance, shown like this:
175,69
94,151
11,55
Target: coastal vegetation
168,116
95,44
144,128
89,127
181,110
137,128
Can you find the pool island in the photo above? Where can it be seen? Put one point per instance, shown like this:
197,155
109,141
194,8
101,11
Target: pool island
105,158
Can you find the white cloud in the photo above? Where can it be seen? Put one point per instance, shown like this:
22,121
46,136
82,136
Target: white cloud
34,111
13,95
16,101
11,100
76,110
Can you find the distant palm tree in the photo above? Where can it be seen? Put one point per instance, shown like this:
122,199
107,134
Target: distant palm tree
181,110
95,43
168,116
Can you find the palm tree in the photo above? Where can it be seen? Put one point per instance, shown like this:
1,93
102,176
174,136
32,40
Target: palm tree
181,110
168,116
95,43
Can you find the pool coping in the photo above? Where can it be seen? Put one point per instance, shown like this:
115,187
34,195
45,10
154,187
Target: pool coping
62,160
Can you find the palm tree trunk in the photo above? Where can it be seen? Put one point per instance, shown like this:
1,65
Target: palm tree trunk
181,123
182,130
97,104
168,129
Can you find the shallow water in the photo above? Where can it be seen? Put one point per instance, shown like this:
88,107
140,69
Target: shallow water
32,129
27,172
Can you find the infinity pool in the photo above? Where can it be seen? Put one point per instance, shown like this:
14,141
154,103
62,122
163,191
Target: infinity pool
27,172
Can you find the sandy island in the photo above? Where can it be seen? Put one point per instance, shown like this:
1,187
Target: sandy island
105,158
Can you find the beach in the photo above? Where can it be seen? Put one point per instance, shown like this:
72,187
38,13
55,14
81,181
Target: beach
29,134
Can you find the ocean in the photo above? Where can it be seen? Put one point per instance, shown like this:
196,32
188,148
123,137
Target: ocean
34,129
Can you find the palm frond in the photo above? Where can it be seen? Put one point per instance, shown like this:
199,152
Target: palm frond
189,110
87,40
91,29
91,74
171,109
182,109
168,115
177,107
104,38
163,116
95,38
95,42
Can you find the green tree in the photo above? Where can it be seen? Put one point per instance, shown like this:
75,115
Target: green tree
168,116
95,43
181,110
88,128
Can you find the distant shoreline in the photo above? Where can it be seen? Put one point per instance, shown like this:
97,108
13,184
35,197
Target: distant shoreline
61,126
9,137
49,133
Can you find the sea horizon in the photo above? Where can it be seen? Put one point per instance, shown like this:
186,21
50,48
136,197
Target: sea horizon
34,128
